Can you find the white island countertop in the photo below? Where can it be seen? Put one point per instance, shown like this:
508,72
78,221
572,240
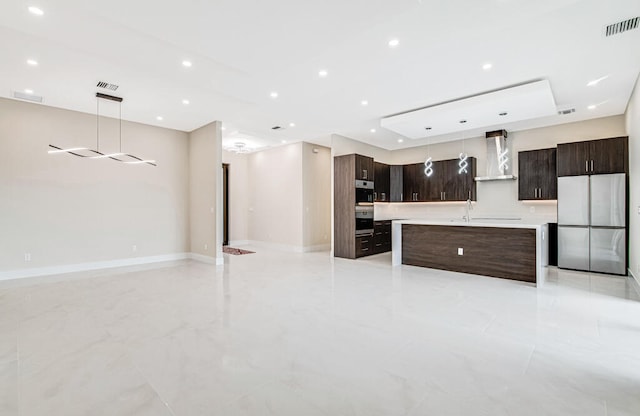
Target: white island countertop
540,227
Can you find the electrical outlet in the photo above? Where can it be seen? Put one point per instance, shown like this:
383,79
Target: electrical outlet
134,248
27,256
206,246
460,251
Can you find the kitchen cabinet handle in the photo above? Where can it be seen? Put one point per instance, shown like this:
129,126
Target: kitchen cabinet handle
586,166
444,196
364,174
469,195
364,241
365,249
384,196
591,165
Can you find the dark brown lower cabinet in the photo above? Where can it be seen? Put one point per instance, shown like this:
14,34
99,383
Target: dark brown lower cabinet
364,246
381,237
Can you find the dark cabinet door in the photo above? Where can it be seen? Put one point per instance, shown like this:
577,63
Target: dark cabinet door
548,182
608,156
395,183
432,186
458,185
537,177
573,159
528,175
364,168
409,185
381,182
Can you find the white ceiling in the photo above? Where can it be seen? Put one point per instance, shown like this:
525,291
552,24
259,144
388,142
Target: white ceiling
243,50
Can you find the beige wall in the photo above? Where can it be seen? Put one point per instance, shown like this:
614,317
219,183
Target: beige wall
238,197
498,198
275,196
67,210
205,170
633,129
316,188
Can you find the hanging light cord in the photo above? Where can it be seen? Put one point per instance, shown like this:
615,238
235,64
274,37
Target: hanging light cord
98,124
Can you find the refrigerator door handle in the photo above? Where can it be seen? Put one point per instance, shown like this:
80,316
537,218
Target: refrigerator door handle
591,165
586,166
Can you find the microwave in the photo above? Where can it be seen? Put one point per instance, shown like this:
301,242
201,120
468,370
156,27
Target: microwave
364,192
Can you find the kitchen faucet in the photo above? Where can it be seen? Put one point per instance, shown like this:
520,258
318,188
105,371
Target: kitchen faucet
468,207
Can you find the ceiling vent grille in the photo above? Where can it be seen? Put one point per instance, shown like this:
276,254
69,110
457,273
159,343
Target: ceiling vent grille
28,97
107,86
621,27
567,111
276,128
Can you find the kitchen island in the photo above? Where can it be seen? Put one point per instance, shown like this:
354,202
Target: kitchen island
506,249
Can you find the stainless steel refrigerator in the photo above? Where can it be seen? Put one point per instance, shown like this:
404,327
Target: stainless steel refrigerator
592,223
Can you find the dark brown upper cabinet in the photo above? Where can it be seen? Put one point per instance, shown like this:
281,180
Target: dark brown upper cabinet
593,157
537,178
395,183
411,182
364,168
382,182
444,184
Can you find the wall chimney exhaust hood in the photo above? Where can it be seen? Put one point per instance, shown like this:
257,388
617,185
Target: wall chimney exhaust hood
498,157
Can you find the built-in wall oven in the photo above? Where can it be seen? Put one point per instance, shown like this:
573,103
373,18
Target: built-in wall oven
364,193
364,221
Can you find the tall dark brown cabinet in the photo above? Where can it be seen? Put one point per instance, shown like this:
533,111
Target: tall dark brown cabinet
537,178
346,170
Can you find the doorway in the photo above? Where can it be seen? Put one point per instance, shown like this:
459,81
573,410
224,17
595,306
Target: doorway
225,204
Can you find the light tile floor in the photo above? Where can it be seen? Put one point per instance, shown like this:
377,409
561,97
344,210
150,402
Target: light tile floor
302,334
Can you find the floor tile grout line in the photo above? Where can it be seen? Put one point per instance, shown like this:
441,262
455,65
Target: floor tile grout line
166,403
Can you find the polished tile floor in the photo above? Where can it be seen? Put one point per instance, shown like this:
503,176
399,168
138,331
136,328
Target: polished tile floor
301,334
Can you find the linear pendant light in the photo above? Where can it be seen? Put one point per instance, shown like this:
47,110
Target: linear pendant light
85,152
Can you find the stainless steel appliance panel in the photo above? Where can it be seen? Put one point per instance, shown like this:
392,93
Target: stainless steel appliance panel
608,250
573,247
573,200
608,200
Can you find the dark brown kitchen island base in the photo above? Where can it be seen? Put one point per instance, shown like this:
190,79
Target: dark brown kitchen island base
508,253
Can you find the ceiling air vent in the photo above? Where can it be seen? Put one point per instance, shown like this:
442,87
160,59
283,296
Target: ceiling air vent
567,111
276,128
28,97
107,86
621,27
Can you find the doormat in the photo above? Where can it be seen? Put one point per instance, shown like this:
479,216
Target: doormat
235,251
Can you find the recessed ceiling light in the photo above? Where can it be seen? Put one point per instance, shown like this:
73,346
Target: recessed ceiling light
159,118
185,102
292,124
274,94
364,103
284,141
393,43
487,66
592,107
504,113
463,121
187,64
373,130
400,140
595,82
28,91
32,62
323,73
35,10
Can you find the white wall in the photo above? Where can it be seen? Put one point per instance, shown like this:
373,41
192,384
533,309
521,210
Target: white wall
633,129
67,210
498,198
205,179
316,192
275,196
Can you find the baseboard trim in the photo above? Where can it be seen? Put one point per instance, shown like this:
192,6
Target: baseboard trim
284,247
81,267
218,261
635,282
235,243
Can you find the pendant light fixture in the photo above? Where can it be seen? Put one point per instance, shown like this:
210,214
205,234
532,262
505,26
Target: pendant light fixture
428,164
462,163
118,156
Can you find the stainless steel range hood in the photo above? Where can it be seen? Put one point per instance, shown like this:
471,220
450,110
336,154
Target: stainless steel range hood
499,157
